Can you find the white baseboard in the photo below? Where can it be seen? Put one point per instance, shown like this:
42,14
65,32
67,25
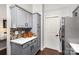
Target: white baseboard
42,48
54,49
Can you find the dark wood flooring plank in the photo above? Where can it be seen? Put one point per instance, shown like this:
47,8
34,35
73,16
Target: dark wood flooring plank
48,51
3,52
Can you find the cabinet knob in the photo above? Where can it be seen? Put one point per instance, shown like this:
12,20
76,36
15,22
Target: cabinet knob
26,24
57,35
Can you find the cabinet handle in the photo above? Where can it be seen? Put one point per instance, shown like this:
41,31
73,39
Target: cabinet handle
26,24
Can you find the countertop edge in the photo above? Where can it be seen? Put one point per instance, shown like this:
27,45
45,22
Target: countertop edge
71,44
22,43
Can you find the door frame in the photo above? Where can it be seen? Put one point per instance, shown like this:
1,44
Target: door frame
60,50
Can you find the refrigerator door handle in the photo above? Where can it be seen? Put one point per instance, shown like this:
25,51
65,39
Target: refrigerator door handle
60,34
57,35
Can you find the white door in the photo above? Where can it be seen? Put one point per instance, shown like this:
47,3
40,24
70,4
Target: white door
52,26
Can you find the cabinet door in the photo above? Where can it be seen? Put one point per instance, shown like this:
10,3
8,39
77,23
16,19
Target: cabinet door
21,17
34,47
34,29
36,23
39,43
13,17
29,19
16,49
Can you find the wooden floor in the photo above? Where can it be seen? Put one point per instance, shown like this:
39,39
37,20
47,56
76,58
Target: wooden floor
48,51
3,52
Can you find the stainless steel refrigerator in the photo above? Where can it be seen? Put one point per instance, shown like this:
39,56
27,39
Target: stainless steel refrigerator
69,32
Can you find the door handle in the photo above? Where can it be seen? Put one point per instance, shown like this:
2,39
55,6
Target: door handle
57,35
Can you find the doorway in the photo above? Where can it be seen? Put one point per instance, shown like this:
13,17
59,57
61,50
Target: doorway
51,33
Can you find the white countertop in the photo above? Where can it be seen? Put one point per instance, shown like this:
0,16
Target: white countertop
21,41
75,47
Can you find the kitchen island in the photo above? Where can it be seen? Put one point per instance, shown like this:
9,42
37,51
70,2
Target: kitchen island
25,46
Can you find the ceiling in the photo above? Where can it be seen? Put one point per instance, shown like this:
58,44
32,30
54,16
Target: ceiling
58,6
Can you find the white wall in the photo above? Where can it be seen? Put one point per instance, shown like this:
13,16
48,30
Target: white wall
57,10
37,8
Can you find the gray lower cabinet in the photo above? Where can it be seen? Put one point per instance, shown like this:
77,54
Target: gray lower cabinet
30,48
34,47
17,49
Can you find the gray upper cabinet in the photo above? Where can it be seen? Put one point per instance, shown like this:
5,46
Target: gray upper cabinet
29,21
36,23
20,17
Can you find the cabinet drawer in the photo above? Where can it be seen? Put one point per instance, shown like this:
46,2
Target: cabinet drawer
27,44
